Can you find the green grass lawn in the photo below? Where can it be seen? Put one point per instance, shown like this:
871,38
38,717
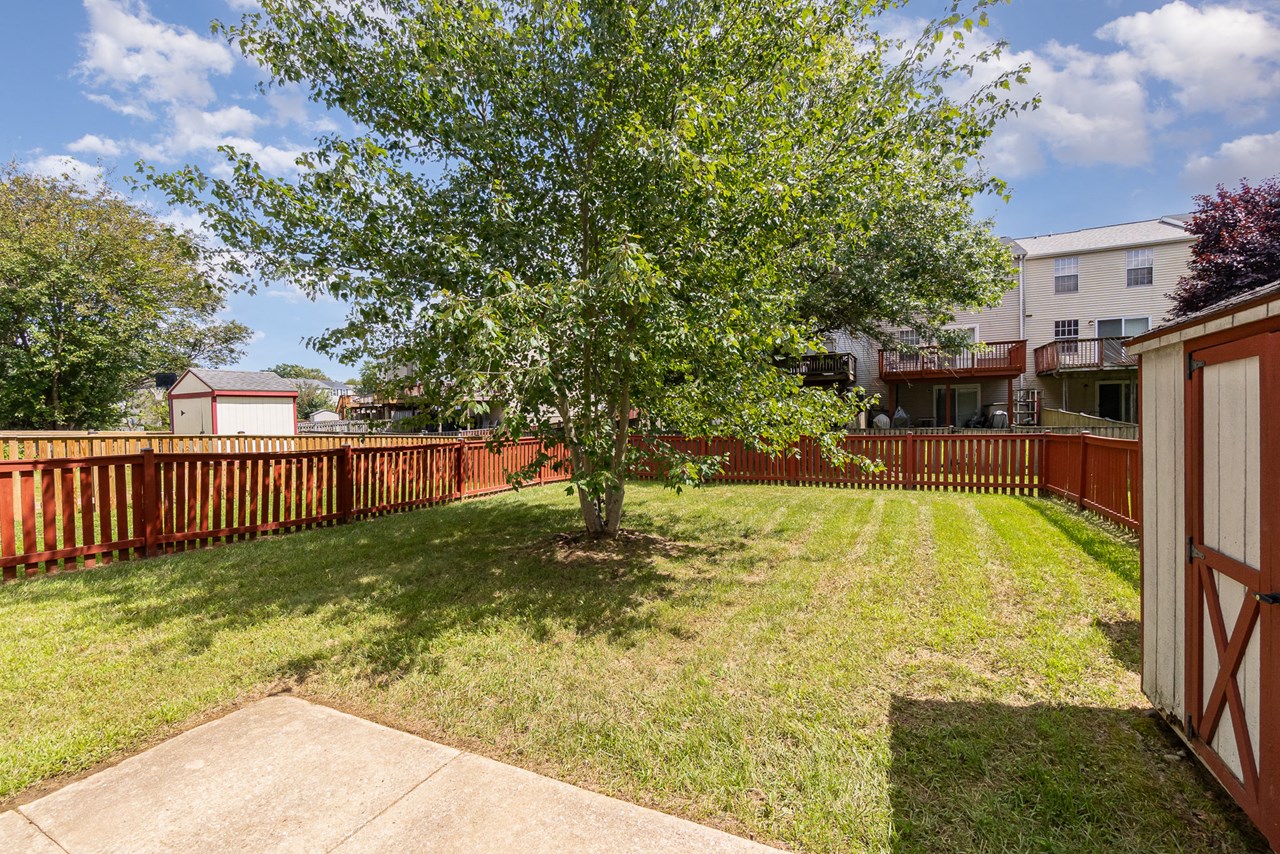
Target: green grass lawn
826,670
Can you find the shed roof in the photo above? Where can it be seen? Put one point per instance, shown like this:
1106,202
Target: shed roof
243,381
1247,299
1166,229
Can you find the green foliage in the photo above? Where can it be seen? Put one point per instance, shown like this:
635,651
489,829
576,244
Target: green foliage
298,372
95,296
312,399
592,210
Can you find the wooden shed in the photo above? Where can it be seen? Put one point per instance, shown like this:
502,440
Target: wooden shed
1210,432
225,403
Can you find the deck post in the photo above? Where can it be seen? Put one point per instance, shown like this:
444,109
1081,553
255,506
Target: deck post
947,393
1084,465
346,483
459,471
150,504
909,461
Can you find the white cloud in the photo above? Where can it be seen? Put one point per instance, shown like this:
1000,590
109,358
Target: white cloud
59,165
148,59
94,144
1216,58
1255,157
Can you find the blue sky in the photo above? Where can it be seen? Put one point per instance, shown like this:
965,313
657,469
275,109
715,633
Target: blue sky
1145,104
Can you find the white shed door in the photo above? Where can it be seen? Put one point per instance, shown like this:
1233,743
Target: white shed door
1233,587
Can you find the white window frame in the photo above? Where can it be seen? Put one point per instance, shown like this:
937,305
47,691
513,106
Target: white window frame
1098,321
1057,337
1133,261
1066,267
902,335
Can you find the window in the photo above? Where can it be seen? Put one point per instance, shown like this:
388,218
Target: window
1123,327
1066,275
1066,330
908,338
1140,264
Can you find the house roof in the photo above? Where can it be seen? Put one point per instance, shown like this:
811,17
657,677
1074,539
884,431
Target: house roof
243,381
1166,229
1247,299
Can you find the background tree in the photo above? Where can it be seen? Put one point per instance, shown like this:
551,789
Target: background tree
593,210
298,372
95,296
1237,247
311,399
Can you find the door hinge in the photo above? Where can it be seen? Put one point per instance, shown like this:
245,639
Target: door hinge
1193,553
1191,728
1193,365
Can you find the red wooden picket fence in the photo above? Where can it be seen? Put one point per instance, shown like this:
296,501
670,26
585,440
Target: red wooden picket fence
58,515
1016,463
63,514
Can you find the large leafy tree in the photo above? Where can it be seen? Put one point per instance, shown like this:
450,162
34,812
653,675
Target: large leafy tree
95,295
1237,247
297,372
605,213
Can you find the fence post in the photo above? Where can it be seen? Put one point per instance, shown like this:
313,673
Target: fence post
150,503
346,484
1084,465
460,470
909,461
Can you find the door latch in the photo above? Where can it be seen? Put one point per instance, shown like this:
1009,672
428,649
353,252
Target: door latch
1268,598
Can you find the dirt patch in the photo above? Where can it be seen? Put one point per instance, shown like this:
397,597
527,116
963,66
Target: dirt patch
579,548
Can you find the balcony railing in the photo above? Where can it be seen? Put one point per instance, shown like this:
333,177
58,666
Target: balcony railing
826,366
991,359
1083,354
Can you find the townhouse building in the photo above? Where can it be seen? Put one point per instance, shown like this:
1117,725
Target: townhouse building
1055,341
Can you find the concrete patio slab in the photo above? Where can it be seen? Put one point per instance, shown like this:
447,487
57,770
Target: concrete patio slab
18,834
280,774
284,774
475,804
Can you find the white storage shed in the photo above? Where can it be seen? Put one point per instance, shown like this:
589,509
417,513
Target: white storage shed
1210,433
225,403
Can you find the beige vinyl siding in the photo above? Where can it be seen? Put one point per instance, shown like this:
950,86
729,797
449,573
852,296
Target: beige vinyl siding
1104,294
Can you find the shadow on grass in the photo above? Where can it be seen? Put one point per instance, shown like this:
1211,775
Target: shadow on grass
413,577
982,776
1110,548
1125,637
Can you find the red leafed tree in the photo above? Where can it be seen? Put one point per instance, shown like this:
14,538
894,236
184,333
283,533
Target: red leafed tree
1238,247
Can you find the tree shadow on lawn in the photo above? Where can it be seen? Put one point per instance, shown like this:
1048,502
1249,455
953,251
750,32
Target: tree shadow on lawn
1111,548
984,776
466,567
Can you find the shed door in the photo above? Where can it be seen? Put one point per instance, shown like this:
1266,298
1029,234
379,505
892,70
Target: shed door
1233,581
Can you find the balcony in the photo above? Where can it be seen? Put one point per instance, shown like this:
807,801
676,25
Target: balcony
1083,354
991,359
822,368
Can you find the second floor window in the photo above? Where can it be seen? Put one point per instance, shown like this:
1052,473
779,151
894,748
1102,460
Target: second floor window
1066,275
1141,267
908,338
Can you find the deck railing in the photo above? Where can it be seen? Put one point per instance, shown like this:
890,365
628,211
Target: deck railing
1083,354
842,365
990,359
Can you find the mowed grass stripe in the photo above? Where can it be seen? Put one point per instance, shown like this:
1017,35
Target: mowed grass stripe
829,670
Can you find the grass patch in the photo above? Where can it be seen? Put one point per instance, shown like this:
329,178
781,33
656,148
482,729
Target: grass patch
828,670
